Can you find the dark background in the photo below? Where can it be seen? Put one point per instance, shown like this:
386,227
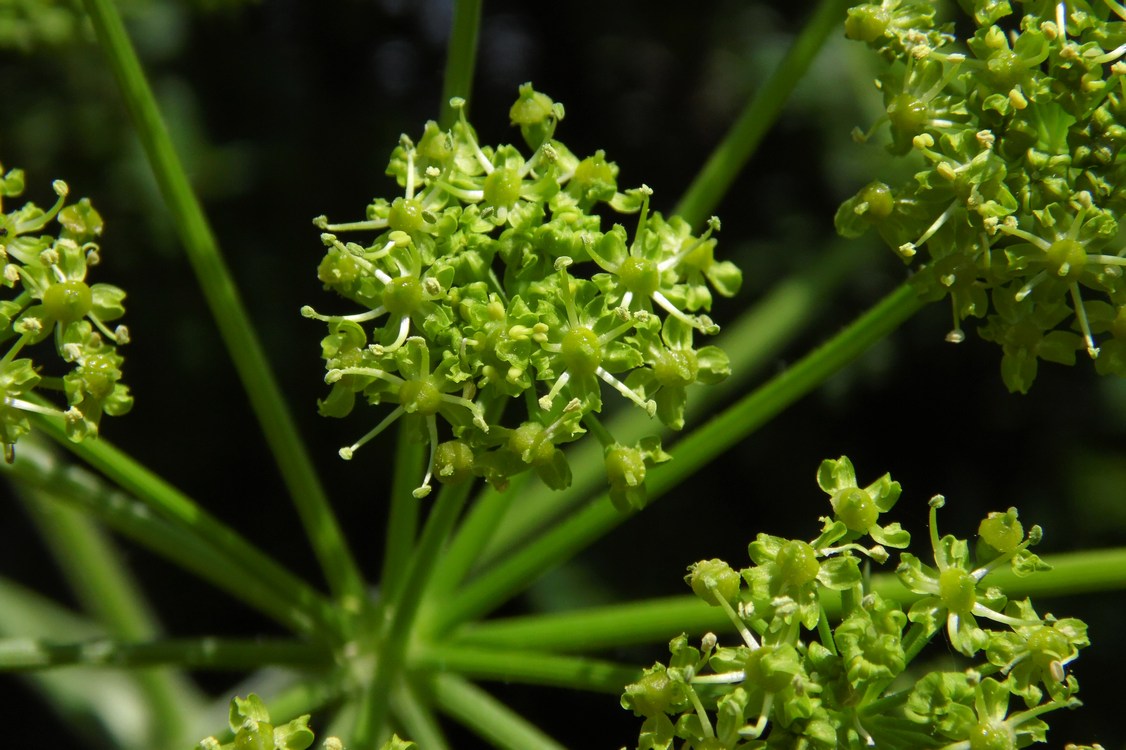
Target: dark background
287,110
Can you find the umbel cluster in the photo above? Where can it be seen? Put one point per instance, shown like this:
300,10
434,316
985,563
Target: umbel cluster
491,295
1016,131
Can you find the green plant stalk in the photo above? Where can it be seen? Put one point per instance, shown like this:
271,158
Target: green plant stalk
402,522
570,536
105,588
725,162
392,652
418,720
473,535
488,717
531,667
461,57
234,324
177,542
653,620
751,342
26,654
256,569
649,621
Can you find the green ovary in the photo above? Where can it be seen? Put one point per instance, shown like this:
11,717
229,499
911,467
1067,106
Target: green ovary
797,563
1066,258
402,296
99,375
866,23
676,369
529,439
856,509
581,352
640,276
405,215
68,301
502,188
1047,645
990,735
908,114
420,397
958,590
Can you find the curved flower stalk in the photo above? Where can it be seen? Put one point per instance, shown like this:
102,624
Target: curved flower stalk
1014,216
49,299
494,268
796,679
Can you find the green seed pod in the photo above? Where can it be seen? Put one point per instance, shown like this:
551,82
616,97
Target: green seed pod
453,462
998,534
712,580
68,301
856,509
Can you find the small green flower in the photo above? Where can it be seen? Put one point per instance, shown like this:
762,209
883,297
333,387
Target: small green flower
53,301
1037,655
857,510
952,591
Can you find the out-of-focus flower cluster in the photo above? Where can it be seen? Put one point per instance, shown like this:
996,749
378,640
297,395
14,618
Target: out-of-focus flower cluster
1017,130
47,300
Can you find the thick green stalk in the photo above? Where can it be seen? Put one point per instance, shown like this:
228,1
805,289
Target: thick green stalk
91,564
247,576
597,628
725,162
461,56
418,719
531,667
751,342
402,521
225,654
392,653
488,717
222,296
658,619
696,450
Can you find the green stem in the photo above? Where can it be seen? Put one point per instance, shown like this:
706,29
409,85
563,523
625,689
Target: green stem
734,424
222,296
488,717
93,569
754,340
461,56
598,628
225,654
725,162
239,569
472,537
418,719
393,650
531,667
402,522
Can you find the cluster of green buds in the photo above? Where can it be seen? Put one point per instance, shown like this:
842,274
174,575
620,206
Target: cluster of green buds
251,729
1016,130
801,679
49,300
491,280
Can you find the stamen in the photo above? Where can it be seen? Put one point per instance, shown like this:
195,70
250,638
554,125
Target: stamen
649,406
308,312
1081,313
432,430
347,452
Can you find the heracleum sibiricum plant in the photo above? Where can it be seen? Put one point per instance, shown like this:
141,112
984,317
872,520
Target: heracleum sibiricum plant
539,335
491,280
1017,128
801,679
47,299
